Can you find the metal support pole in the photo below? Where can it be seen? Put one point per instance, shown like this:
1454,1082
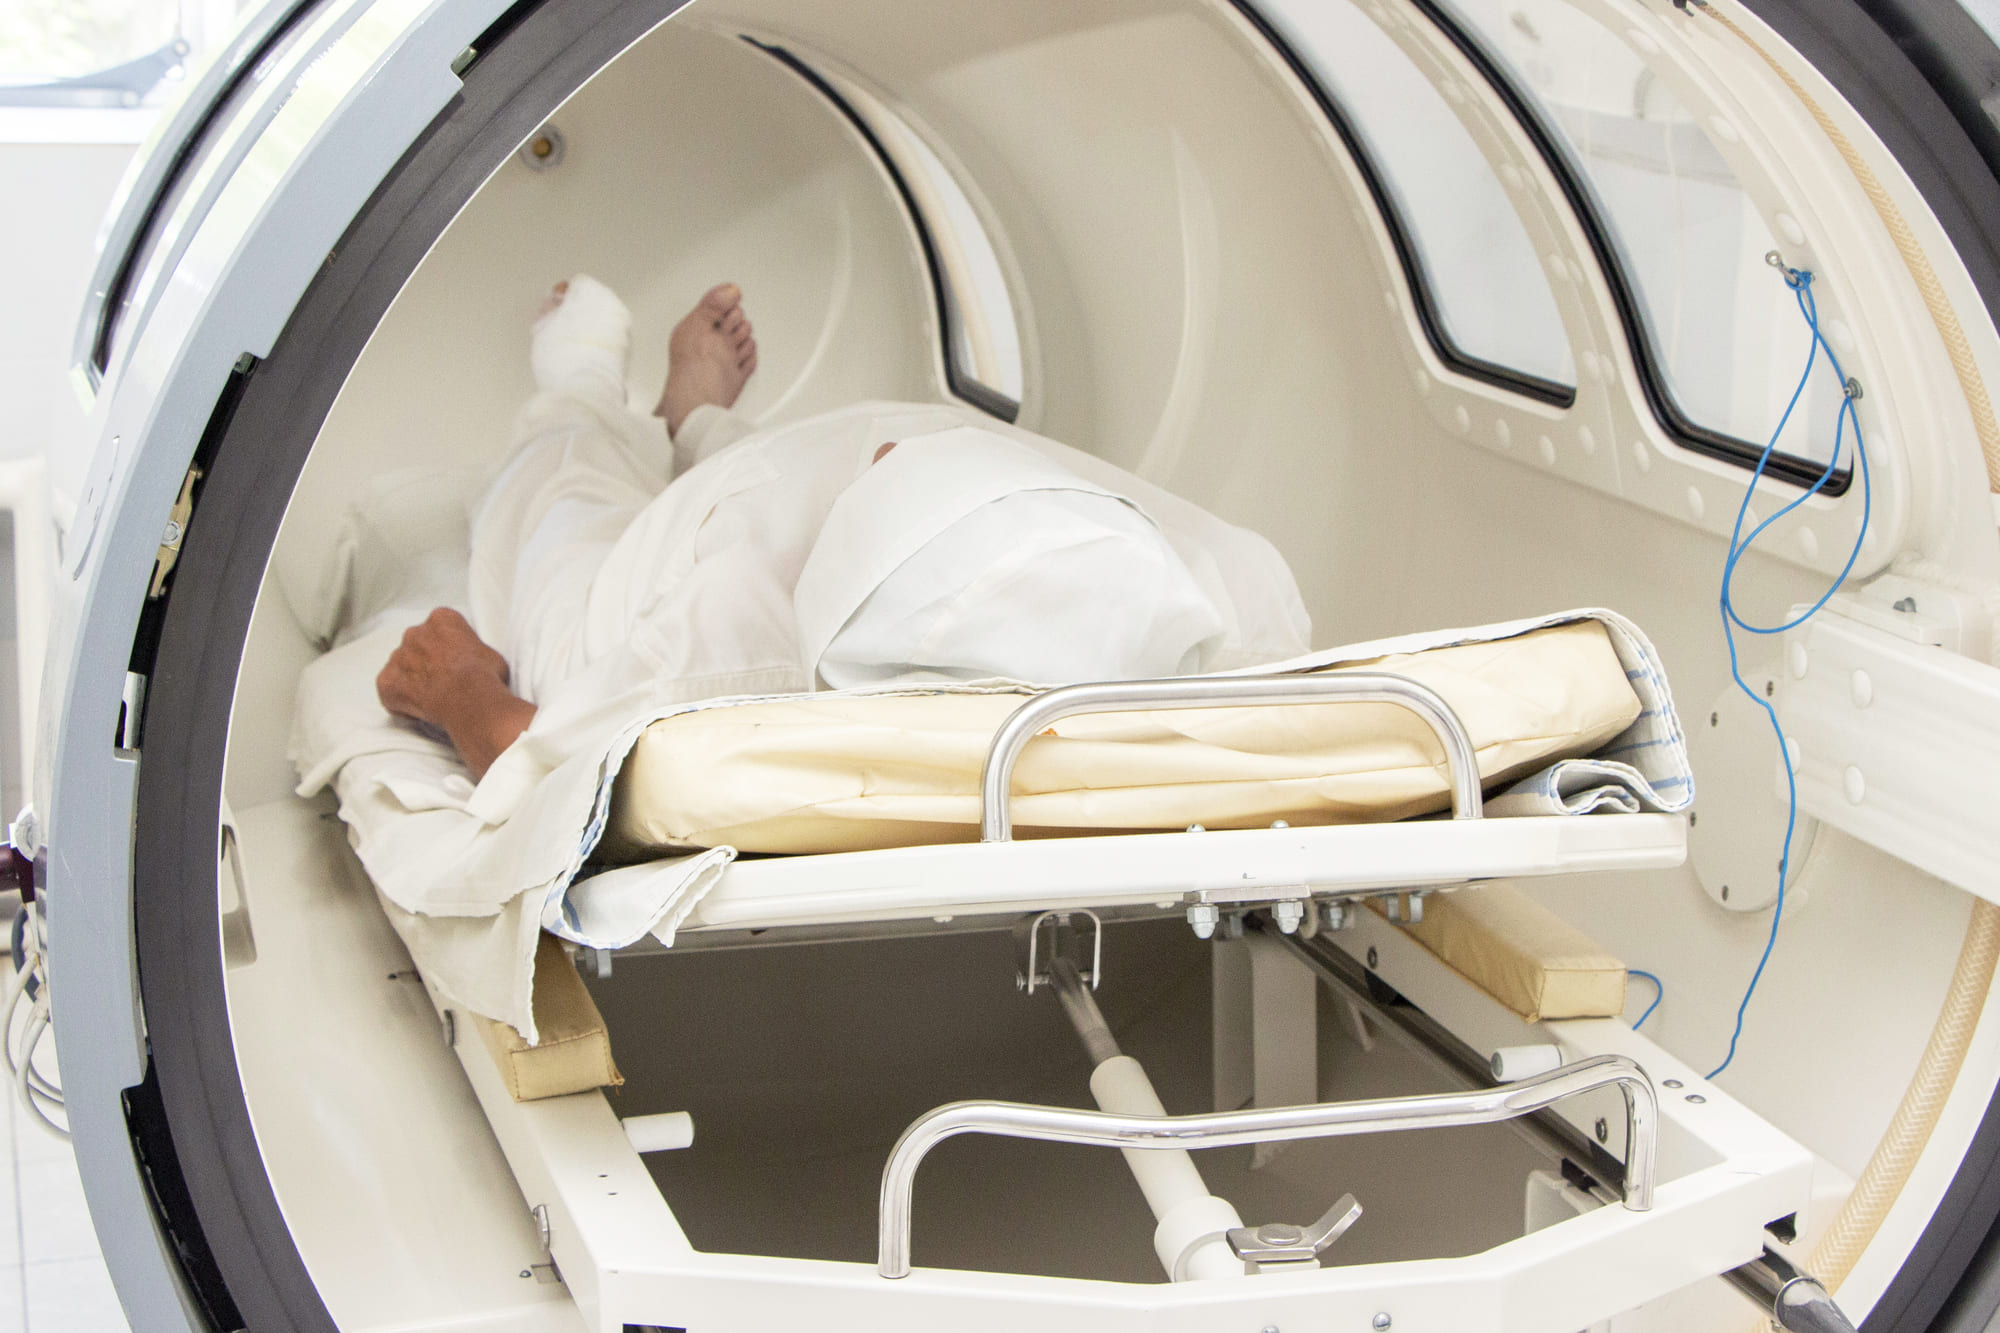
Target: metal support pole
1797,1301
1084,1015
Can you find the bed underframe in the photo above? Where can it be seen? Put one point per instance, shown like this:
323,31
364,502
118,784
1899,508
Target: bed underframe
1719,1177
1678,1181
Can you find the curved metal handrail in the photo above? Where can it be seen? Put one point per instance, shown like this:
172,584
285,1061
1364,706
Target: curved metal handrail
996,823
1222,1129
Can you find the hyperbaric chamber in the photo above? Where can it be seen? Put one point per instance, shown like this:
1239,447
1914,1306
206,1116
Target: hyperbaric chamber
1464,307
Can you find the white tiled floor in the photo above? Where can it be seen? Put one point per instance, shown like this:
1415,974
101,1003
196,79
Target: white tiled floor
52,1278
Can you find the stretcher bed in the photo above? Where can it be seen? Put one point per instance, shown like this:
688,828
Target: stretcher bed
1312,782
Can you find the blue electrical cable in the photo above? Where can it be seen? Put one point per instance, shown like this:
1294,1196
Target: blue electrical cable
1800,281
1659,993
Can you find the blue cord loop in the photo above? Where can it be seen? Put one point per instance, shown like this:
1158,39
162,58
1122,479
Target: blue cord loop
1800,281
1659,993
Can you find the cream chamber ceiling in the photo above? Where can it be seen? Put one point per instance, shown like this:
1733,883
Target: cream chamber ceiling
1182,270
1202,284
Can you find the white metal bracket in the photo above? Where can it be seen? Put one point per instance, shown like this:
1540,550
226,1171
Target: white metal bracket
1064,941
1898,744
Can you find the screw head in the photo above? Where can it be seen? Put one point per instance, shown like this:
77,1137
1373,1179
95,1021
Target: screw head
1371,967
1382,1320
1280,1233
1602,1129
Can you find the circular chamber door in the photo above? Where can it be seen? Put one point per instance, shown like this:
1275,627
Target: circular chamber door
215,391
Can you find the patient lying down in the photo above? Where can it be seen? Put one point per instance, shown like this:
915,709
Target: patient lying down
882,543
629,601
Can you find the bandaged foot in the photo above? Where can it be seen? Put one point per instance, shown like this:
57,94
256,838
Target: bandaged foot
709,358
581,336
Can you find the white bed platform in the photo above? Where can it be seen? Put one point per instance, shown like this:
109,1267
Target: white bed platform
1163,870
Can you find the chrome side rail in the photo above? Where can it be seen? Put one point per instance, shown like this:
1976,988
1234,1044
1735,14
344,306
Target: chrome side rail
1223,1129
996,823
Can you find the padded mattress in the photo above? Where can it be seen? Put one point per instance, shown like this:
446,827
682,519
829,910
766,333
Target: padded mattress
852,772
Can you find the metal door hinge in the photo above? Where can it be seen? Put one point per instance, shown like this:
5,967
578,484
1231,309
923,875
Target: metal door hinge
174,534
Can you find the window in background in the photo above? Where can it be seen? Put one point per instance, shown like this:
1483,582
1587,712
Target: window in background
1473,270
1719,327
104,53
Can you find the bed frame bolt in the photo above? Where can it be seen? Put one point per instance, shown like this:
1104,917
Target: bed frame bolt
1203,918
1288,914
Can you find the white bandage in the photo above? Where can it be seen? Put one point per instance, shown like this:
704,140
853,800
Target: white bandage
580,346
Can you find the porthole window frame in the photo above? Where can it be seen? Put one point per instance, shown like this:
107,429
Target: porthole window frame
1402,237
195,126
960,380
1580,195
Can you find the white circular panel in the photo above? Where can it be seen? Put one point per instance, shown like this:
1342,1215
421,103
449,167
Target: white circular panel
1737,829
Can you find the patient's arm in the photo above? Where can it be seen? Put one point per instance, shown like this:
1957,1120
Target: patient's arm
444,674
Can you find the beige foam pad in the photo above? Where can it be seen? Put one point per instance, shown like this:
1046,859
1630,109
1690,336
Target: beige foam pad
829,773
1520,953
574,1054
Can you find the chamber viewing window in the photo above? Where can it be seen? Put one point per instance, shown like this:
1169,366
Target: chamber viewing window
982,338
1478,283
222,93
1715,326
103,53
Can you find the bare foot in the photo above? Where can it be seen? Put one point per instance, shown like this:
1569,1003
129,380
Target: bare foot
709,358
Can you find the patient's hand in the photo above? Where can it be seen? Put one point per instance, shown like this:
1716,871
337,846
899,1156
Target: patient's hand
446,675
